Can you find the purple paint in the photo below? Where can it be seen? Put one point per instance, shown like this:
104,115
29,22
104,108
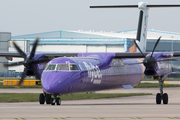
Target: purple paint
95,73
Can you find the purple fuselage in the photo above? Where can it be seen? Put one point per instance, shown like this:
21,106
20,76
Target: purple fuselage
95,72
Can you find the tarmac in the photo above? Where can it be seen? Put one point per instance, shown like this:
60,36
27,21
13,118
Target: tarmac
122,108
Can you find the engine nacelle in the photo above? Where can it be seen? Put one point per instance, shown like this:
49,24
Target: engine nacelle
161,68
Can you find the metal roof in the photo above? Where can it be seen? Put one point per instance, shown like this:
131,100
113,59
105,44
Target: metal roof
81,37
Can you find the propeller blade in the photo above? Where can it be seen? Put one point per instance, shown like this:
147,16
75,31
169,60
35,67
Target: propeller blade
34,48
134,63
138,47
13,64
41,61
167,60
19,50
36,73
156,45
23,76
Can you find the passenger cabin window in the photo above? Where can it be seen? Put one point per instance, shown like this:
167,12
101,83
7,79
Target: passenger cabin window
116,62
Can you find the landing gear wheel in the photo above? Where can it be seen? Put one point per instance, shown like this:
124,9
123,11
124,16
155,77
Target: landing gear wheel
53,101
158,98
58,101
165,98
48,99
41,98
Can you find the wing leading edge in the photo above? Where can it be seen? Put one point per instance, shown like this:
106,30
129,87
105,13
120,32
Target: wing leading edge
130,55
117,55
9,54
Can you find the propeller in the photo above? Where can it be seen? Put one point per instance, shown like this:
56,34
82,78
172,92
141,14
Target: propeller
29,61
150,61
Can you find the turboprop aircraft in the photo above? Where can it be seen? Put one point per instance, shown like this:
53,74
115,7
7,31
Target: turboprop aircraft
68,73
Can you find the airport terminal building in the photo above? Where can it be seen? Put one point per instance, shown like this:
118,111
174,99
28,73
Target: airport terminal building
87,41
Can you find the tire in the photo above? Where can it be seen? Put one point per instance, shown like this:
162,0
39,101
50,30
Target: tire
48,99
52,103
58,101
158,98
41,98
165,98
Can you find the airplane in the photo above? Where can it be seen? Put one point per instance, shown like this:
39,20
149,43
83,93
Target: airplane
69,73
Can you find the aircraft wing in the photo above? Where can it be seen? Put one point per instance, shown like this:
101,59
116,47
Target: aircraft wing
130,55
9,54
117,55
176,54
139,55
12,54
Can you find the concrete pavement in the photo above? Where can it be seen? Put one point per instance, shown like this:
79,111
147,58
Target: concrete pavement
124,108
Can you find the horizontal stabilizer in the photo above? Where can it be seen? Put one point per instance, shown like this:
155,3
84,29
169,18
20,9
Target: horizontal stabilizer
127,86
133,6
115,6
163,5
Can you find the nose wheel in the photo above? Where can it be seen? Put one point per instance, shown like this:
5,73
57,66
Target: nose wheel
41,98
50,99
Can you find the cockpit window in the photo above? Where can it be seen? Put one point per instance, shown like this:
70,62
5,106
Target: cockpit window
51,67
62,67
73,67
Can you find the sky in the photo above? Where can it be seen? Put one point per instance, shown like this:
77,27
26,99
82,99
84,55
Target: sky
35,16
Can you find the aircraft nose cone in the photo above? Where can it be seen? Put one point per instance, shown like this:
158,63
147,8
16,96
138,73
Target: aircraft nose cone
55,82
50,83
49,88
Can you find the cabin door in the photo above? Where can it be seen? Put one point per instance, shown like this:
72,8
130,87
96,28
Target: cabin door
84,75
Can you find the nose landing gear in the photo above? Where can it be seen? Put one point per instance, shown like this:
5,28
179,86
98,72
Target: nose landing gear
50,99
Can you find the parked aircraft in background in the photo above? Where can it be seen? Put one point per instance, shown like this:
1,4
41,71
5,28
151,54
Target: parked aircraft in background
67,73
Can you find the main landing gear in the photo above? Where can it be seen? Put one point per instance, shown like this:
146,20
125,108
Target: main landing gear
50,99
160,96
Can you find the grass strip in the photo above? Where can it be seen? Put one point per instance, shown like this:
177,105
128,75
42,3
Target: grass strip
154,85
29,97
